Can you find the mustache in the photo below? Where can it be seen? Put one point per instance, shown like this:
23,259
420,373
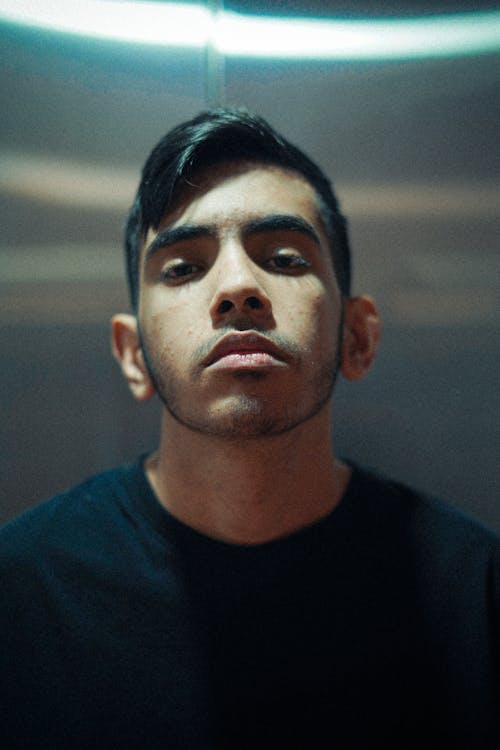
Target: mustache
283,343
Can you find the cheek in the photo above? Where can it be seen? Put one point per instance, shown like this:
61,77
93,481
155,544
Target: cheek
164,317
170,334
315,315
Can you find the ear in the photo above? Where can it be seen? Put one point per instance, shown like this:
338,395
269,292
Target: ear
361,337
127,351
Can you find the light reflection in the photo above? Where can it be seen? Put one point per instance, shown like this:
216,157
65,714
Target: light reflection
232,34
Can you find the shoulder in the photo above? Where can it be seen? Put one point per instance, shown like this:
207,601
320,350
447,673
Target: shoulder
424,509
447,558
430,521
71,517
63,555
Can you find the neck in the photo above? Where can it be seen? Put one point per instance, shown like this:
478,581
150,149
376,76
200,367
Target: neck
248,491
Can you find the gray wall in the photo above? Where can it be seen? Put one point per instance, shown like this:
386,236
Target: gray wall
413,149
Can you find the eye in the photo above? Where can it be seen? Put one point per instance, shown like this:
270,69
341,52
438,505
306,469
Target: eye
287,262
180,271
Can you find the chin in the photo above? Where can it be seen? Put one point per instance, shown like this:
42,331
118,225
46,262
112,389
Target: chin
248,418
241,423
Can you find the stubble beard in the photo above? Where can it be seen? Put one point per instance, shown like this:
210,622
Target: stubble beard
250,416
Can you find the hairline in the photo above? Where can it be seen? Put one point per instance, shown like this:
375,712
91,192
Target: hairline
207,140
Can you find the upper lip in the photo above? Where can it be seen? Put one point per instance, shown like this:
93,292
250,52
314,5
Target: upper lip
235,343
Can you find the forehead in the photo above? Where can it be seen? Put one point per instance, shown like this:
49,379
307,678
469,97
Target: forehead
235,191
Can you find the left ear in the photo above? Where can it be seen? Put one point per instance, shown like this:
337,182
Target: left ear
361,337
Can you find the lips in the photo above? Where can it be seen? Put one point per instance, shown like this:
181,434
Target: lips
241,346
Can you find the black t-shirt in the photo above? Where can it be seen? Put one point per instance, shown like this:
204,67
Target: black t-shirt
123,628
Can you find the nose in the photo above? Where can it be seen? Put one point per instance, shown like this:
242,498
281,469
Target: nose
239,290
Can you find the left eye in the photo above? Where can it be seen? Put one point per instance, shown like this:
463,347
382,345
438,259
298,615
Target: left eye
283,262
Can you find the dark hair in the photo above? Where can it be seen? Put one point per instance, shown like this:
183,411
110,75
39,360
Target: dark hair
209,138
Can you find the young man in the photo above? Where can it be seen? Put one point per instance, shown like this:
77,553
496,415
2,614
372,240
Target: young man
242,587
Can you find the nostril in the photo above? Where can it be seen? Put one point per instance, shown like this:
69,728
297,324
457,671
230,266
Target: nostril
225,306
253,302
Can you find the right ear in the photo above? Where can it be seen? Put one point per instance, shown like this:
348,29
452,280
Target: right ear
127,350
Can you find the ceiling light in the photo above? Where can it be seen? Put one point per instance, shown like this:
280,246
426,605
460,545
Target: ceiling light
232,34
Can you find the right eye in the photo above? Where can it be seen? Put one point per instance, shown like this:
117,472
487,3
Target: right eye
179,272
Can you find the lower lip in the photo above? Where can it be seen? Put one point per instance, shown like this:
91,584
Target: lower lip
246,361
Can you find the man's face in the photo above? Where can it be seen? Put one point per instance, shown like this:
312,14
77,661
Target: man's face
239,307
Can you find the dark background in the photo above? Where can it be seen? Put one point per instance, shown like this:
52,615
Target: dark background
413,150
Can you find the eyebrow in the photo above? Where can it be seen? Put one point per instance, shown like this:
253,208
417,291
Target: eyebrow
272,223
174,235
282,223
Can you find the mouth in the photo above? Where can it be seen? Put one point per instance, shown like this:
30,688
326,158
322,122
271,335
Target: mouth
242,351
